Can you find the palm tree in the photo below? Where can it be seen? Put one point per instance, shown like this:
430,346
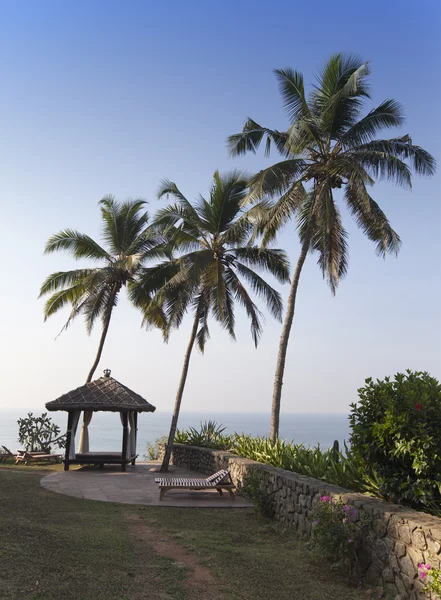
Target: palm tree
329,145
93,292
209,274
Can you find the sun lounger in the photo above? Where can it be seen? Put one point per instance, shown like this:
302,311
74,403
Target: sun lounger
5,453
27,457
218,481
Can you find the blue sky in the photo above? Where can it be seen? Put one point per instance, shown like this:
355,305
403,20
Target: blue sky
110,97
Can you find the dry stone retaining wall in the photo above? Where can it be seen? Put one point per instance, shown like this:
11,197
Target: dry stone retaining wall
397,538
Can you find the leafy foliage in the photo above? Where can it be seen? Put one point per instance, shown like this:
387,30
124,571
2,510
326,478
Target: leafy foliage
39,434
210,264
93,292
210,435
337,530
254,488
431,576
396,428
330,465
153,449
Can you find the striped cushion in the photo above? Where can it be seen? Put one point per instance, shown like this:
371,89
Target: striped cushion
218,477
211,481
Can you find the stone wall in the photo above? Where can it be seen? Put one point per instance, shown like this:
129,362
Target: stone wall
397,538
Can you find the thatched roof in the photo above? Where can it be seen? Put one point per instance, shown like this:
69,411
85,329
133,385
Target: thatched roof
105,394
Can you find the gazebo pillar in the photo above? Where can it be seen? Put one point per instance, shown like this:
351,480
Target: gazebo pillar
124,419
68,438
135,424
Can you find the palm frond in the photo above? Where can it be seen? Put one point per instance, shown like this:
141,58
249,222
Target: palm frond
251,137
421,161
292,90
61,279
370,218
243,298
77,244
275,180
261,288
388,114
270,260
282,211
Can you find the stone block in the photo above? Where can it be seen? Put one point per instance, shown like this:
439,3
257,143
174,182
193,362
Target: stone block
407,567
379,527
433,546
419,539
400,549
404,533
388,576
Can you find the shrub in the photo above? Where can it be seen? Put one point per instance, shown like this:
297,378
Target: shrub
396,428
38,434
254,488
210,435
337,531
153,449
431,578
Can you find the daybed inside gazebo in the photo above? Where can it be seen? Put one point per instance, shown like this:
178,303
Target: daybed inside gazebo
103,394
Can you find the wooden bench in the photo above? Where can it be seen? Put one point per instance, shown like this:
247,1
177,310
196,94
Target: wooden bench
27,457
218,481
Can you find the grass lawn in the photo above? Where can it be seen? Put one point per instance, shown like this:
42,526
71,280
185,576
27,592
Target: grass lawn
55,547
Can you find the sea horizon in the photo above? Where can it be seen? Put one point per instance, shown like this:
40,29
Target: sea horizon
105,429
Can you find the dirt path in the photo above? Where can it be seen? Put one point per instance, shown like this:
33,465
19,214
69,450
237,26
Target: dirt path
197,579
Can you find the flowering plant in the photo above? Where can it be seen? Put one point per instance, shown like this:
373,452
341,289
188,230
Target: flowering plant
431,577
337,528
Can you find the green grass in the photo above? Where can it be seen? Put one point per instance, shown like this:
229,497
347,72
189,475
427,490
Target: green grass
54,546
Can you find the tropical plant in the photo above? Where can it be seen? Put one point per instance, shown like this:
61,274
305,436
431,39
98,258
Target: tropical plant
396,428
152,449
209,435
93,292
337,530
212,264
39,434
329,145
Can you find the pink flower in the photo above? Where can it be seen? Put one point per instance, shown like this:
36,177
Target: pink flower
418,406
325,499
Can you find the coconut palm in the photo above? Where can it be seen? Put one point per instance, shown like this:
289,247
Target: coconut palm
93,292
212,266
328,145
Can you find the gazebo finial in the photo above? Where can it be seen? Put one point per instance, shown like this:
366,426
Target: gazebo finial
107,372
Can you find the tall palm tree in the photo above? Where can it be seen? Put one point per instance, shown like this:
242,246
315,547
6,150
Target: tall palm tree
93,292
328,145
208,275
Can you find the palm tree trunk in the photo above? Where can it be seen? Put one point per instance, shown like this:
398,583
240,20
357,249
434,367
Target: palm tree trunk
174,421
103,334
284,338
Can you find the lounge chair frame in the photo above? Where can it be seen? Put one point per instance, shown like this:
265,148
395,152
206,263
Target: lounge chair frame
218,481
27,457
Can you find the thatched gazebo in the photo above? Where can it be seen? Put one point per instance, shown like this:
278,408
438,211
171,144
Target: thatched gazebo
103,394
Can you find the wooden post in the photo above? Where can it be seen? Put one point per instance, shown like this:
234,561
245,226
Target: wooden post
70,417
124,440
135,424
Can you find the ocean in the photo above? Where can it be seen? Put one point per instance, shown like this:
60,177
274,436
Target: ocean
105,431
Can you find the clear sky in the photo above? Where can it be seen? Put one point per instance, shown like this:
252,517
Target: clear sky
110,97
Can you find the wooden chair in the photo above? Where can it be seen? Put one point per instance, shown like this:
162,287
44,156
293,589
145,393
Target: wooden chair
27,457
5,453
218,481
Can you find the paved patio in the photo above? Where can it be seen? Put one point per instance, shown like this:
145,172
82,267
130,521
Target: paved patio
135,486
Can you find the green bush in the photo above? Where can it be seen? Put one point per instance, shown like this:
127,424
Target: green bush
396,433
330,465
153,448
210,435
337,530
39,434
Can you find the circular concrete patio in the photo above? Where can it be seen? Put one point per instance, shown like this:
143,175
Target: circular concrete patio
135,486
